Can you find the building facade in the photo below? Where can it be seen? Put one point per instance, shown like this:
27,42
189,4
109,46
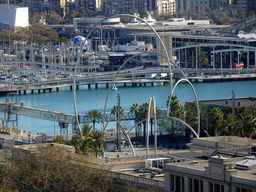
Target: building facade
13,17
218,174
165,7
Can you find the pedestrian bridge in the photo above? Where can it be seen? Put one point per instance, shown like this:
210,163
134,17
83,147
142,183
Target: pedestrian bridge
21,109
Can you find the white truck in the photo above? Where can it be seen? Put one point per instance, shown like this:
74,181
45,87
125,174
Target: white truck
150,76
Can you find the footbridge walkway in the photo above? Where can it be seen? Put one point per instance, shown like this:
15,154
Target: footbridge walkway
10,108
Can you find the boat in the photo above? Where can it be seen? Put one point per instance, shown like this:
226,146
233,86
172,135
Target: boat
148,19
114,88
133,46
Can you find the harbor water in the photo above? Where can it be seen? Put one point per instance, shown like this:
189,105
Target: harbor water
88,99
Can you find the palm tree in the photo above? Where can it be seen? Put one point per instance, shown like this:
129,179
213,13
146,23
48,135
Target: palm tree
143,113
99,143
248,121
216,118
94,114
135,109
231,125
84,143
59,139
190,115
114,110
176,110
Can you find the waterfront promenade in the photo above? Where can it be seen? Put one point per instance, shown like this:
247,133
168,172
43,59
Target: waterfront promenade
134,79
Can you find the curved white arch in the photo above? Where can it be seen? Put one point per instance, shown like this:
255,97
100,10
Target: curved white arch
125,134
151,103
197,104
113,80
79,54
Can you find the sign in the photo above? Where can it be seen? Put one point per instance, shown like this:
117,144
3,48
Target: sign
191,137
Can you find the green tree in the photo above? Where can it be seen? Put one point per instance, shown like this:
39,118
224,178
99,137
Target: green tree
54,169
248,121
114,110
59,139
135,109
143,113
93,115
43,34
54,17
216,119
98,140
231,125
176,110
84,143
190,114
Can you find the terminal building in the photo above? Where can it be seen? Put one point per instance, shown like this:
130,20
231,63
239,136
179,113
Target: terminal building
231,167
13,17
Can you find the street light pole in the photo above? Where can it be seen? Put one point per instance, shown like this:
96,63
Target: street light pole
233,102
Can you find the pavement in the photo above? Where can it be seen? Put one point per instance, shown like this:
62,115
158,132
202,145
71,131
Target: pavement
139,151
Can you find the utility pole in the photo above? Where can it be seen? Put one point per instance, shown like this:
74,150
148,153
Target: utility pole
233,102
118,126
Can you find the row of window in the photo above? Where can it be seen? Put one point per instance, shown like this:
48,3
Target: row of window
177,183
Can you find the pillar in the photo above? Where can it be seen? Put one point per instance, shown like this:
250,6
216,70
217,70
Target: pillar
38,90
77,87
70,87
89,86
186,184
213,58
25,92
196,58
230,59
96,86
32,91
248,59
221,64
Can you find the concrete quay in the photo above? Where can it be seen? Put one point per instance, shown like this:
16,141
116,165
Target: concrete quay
49,86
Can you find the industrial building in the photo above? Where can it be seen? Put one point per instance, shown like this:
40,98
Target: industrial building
13,17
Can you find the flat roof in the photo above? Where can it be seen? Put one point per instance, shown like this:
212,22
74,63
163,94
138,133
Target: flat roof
8,6
227,102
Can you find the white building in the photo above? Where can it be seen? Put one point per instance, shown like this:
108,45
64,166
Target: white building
13,17
231,167
165,7
83,25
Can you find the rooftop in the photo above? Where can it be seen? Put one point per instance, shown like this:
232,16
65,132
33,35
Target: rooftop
227,102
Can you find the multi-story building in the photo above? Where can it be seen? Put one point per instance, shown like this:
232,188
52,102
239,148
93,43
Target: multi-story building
219,4
94,6
182,5
150,5
127,6
197,6
231,167
242,5
165,7
218,174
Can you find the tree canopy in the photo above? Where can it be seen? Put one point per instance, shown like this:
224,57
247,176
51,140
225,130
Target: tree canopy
53,169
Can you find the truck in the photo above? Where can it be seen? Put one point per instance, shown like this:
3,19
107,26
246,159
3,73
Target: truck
150,76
